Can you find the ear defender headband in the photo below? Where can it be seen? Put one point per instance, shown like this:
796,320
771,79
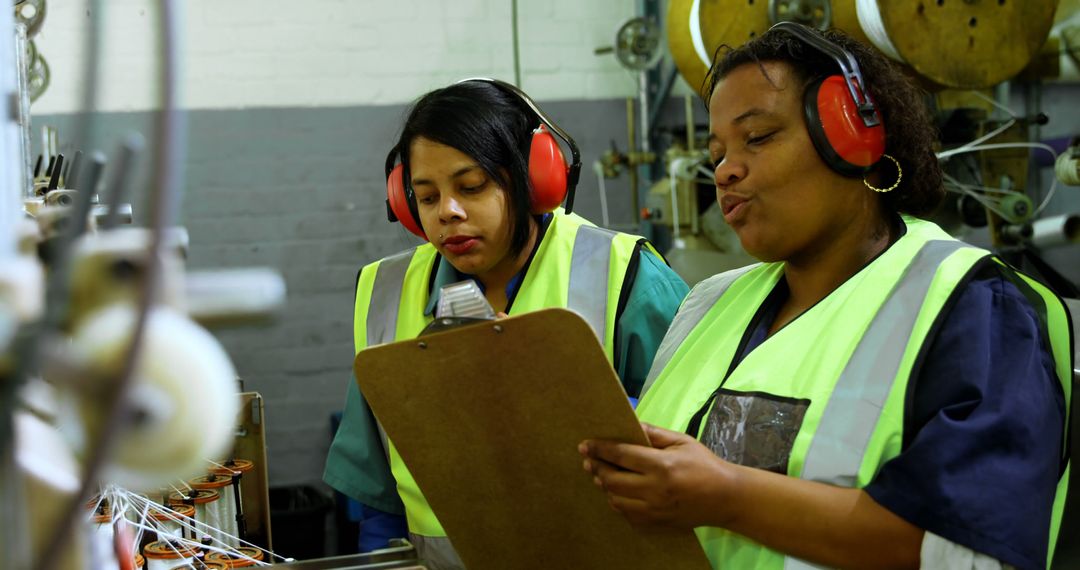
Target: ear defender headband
843,121
550,179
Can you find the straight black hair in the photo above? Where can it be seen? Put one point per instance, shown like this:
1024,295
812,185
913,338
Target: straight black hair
489,125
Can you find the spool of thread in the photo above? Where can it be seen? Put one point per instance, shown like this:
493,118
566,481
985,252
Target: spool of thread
206,512
225,507
235,468
167,524
250,555
166,555
1067,167
102,540
184,390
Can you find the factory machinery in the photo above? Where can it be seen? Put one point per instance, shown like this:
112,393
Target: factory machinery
104,349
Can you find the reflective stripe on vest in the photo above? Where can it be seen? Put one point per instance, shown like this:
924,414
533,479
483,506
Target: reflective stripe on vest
587,294
386,298
589,270
383,310
690,314
437,552
852,411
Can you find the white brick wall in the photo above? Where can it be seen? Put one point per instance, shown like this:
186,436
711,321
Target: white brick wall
283,53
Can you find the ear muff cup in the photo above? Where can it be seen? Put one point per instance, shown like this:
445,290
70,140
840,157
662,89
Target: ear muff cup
837,130
547,172
399,207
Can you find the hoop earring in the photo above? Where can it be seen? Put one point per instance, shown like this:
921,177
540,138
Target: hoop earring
899,177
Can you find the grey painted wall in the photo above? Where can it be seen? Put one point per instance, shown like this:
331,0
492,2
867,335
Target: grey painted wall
302,190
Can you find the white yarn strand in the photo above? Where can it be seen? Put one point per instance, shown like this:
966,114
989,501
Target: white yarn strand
874,27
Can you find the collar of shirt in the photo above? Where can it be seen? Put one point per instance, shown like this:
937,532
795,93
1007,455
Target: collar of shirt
446,273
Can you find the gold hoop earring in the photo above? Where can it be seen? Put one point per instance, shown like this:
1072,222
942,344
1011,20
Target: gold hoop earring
899,177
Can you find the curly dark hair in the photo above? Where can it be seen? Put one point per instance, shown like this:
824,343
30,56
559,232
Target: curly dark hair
910,133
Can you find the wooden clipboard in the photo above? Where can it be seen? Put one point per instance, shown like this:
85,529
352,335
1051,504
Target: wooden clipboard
488,418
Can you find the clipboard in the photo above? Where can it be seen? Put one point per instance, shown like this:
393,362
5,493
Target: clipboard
488,418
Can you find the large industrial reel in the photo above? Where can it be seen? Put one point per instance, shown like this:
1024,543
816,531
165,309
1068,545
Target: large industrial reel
969,44
964,44
696,28
693,64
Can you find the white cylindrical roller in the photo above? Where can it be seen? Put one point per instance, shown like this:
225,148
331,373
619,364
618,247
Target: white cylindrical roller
1058,230
234,470
102,541
173,523
874,27
224,508
206,511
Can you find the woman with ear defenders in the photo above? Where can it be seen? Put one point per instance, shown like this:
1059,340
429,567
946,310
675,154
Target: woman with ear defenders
481,178
873,394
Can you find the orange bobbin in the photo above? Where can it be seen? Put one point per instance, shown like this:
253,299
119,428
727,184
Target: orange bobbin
165,550
234,561
202,496
211,481
178,510
233,465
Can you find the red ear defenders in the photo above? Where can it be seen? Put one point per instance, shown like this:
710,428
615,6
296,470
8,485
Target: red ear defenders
550,179
843,121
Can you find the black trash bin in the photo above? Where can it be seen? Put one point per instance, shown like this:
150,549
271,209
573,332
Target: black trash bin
298,521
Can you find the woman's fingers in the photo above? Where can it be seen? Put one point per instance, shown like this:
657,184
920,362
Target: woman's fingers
661,438
622,455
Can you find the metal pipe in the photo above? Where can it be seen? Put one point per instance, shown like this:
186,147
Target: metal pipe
10,170
1058,230
661,96
643,99
690,131
514,34
22,64
14,546
632,170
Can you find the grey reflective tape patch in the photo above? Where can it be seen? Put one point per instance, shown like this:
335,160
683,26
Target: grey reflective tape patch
797,564
386,298
697,303
436,551
855,405
589,270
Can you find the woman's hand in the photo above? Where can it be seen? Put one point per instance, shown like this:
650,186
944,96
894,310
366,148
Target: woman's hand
677,482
